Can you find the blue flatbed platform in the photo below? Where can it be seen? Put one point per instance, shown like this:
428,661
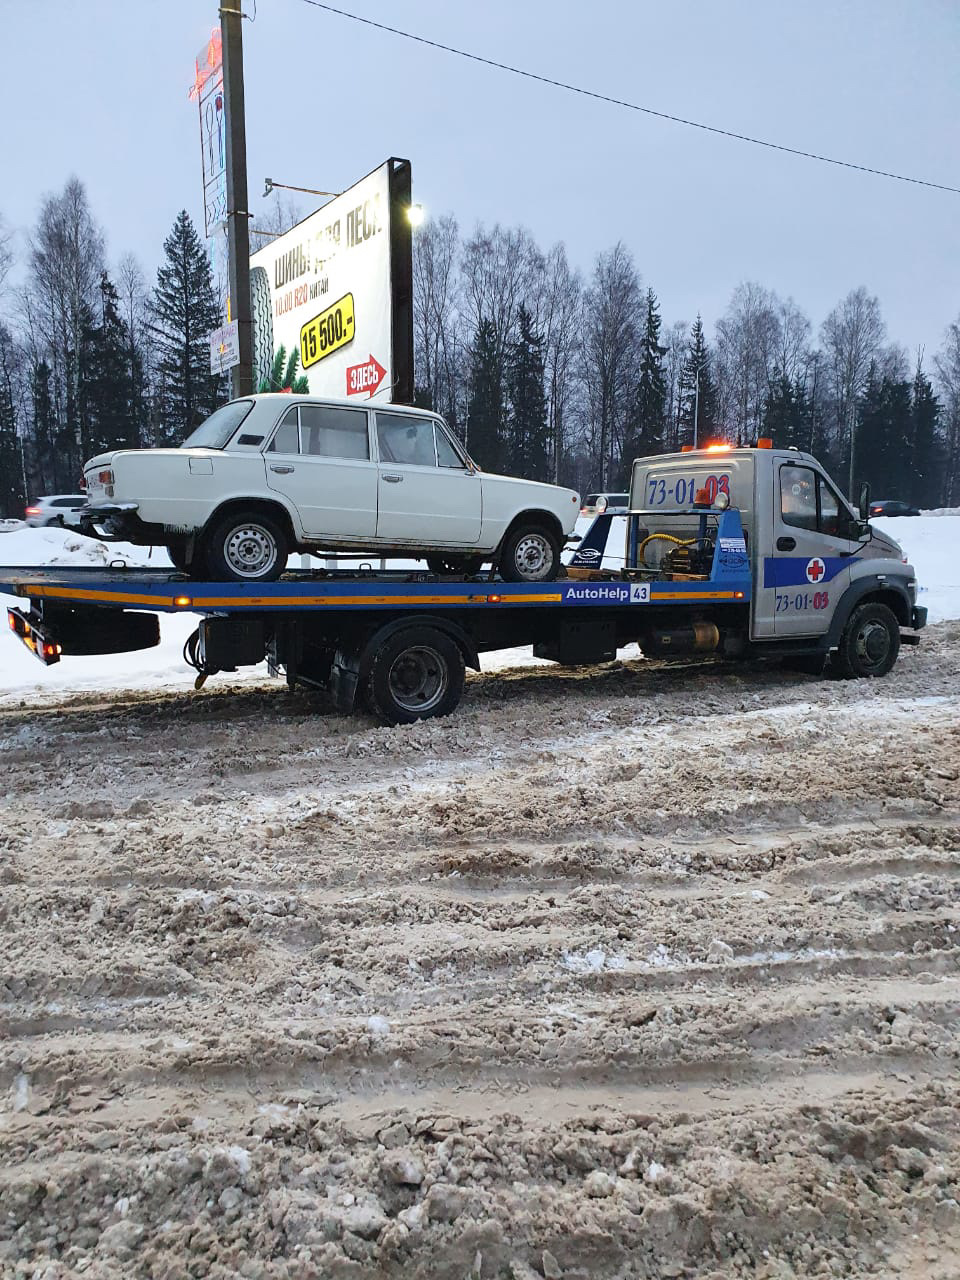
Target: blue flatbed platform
159,590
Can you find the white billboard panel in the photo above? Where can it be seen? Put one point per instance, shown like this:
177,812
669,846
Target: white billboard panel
324,290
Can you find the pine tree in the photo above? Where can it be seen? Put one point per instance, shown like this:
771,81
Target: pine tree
787,414
12,497
528,444
927,460
883,431
106,394
698,393
645,426
485,436
185,312
41,403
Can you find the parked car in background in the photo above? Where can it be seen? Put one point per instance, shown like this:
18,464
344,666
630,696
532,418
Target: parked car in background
270,474
892,507
596,503
57,508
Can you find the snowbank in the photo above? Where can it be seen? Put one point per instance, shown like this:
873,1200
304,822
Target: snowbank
932,545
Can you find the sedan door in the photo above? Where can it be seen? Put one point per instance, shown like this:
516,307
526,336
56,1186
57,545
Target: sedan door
319,458
427,493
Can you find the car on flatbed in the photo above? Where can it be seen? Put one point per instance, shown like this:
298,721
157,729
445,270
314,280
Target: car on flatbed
269,474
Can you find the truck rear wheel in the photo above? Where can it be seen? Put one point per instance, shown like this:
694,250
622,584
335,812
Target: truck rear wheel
869,643
417,673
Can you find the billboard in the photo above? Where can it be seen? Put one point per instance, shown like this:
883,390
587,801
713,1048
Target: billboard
337,290
208,90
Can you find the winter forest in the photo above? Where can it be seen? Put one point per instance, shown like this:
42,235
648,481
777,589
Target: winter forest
545,371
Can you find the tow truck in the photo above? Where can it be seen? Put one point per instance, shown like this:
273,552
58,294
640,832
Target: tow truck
742,553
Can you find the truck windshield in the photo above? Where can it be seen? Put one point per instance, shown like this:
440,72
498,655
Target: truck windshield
219,427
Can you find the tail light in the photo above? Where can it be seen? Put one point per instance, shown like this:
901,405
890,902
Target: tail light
105,477
32,511
82,484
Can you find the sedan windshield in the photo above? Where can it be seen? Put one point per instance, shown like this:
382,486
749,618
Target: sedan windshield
219,427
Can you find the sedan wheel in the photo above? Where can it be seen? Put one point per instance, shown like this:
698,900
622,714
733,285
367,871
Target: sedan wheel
247,548
530,554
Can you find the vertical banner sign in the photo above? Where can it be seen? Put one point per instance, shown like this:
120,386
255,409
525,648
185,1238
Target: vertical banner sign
337,290
208,90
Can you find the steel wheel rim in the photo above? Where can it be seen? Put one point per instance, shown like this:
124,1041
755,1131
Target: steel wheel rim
533,556
873,644
250,550
417,679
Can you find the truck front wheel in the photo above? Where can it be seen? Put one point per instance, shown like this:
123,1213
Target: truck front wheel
869,643
416,673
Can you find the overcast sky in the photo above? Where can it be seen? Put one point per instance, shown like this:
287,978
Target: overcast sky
99,89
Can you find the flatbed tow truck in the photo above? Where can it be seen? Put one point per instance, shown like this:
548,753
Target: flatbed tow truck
722,580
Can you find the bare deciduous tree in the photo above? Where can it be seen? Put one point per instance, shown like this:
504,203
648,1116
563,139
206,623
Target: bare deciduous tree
748,337
436,297
558,296
851,336
612,309
947,365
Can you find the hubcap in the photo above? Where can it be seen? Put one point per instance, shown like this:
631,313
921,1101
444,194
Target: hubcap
873,643
250,550
418,679
534,556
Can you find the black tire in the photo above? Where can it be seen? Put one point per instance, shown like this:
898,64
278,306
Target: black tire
869,644
417,673
247,546
261,313
182,562
462,566
530,553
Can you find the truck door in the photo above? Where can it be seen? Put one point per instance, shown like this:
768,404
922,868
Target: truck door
807,567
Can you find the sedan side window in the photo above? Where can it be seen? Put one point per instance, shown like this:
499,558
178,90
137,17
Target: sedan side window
328,432
287,438
406,439
447,456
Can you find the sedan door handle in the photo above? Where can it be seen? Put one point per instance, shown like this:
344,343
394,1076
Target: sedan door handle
391,479
281,471
786,544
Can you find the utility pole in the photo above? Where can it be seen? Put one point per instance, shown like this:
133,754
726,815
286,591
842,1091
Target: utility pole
238,216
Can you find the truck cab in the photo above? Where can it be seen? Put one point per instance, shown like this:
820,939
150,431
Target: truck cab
813,558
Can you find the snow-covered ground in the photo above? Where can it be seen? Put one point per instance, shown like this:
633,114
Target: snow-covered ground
932,543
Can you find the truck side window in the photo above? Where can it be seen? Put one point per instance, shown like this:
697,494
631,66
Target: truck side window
798,497
829,509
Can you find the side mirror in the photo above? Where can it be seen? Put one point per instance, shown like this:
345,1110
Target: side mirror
864,502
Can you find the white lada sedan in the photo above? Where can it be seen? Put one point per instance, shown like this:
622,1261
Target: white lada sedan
271,474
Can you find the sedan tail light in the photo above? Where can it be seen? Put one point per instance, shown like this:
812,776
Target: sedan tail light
32,511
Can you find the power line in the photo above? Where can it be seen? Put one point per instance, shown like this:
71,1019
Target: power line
631,106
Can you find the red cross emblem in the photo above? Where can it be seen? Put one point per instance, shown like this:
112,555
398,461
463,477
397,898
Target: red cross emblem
815,569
